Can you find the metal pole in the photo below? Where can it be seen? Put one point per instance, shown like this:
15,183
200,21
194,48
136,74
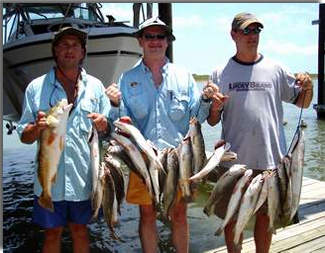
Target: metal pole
165,14
321,83
136,14
149,10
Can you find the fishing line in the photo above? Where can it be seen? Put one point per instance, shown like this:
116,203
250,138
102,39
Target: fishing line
299,121
198,109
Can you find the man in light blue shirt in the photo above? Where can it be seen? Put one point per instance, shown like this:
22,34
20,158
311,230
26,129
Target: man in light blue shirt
160,98
72,187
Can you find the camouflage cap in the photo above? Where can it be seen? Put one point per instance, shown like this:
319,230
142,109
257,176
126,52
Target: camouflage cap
243,20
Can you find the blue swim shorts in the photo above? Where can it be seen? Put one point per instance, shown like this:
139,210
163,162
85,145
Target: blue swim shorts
78,212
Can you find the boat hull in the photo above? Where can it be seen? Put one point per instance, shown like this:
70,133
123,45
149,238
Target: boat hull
108,55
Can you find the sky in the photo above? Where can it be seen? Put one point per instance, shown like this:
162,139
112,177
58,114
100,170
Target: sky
203,40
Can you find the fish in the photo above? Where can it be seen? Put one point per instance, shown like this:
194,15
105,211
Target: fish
229,156
282,179
235,198
185,155
141,142
198,147
287,203
116,171
116,151
213,162
236,171
273,200
154,172
137,160
247,206
51,145
264,191
97,172
296,153
171,186
162,156
109,203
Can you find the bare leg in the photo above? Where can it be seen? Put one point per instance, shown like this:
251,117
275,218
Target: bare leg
262,236
148,229
229,238
180,228
79,234
52,242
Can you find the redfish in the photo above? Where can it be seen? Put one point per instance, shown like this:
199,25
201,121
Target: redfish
50,149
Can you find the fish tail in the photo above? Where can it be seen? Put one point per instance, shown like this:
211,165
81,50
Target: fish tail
206,211
45,201
219,231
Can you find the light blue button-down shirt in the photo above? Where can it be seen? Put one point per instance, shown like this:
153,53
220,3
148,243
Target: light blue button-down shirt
74,177
162,114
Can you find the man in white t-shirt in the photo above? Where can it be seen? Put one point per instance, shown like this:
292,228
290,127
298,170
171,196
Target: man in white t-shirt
249,102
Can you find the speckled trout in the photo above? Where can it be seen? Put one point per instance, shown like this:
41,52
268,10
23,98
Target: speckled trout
235,198
197,140
50,148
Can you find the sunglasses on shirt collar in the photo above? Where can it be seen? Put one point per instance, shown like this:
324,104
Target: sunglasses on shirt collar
149,36
255,30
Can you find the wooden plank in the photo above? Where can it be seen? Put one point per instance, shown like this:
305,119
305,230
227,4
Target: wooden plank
311,246
320,250
288,239
308,235
294,238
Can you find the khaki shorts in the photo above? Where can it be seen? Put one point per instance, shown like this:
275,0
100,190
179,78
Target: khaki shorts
137,192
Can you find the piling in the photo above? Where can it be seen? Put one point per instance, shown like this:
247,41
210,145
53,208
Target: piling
320,107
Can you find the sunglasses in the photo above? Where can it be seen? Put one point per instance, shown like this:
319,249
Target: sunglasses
255,30
149,36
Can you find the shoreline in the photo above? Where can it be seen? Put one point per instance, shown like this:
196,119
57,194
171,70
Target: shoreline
203,78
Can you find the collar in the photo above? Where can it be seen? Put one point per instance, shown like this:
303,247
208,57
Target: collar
247,63
145,69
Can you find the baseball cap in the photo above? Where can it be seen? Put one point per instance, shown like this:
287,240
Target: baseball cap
243,20
82,35
154,21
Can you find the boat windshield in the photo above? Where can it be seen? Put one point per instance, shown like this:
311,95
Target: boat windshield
79,11
28,19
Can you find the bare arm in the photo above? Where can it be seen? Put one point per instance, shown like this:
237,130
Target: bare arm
32,131
306,94
214,115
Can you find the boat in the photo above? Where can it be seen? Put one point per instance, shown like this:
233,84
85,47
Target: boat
28,32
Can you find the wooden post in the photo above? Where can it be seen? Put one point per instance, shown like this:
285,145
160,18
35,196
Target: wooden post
165,14
320,107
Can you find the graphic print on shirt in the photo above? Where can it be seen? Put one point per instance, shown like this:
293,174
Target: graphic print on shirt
249,86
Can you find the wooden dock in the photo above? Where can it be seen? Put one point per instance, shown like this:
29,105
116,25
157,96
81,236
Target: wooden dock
308,235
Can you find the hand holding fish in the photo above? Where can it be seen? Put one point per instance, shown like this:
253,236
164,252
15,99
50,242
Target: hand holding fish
32,131
41,121
114,94
100,122
218,99
306,95
304,81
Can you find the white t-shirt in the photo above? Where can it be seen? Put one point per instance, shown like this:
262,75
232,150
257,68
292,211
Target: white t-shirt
252,118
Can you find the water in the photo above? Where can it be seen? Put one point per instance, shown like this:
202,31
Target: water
21,235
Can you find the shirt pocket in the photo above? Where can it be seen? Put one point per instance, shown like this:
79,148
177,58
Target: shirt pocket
178,107
138,103
86,107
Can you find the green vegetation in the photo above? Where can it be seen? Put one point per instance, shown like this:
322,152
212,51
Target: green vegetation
203,78
200,78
